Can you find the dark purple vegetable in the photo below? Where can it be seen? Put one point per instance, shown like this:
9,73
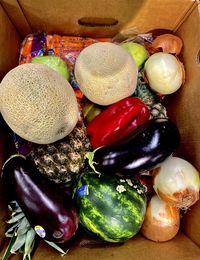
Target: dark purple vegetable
146,147
49,210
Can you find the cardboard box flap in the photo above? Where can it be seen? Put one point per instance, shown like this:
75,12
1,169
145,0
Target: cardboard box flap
183,108
105,19
102,18
17,17
137,248
9,44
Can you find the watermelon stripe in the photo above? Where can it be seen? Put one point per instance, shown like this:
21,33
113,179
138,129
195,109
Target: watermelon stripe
109,214
94,228
125,200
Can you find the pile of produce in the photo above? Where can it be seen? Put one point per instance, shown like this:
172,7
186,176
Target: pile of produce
105,164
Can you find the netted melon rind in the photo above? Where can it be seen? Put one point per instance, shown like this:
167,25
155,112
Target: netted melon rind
106,73
38,104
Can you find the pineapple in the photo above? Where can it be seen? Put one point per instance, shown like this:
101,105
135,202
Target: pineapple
63,160
22,235
143,92
158,111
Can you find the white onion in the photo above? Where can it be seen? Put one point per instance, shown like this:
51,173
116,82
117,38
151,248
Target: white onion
177,182
161,222
165,73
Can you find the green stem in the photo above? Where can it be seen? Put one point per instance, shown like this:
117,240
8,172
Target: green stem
8,250
91,162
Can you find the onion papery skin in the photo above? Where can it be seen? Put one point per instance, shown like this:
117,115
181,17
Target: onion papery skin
161,222
168,43
177,182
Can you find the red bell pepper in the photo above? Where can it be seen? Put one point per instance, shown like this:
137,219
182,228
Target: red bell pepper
117,121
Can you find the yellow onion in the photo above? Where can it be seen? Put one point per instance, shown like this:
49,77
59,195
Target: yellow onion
161,222
168,43
177,182
164,72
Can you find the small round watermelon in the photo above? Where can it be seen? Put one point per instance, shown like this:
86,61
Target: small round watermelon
110,208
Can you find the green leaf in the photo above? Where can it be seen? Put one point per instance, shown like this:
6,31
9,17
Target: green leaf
55,246
18,210
27,257
8,249
13,205
11,230
23,227
30,240
10,208
16,218
18,243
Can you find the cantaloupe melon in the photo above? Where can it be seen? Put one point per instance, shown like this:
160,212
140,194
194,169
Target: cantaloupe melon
38,104
106,73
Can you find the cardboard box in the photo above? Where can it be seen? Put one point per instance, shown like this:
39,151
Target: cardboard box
106,18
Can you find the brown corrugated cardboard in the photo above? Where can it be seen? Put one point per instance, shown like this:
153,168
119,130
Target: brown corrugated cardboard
138,248
16,15
9,44
62,17
186,111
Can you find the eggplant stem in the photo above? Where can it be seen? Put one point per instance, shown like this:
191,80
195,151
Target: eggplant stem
91,162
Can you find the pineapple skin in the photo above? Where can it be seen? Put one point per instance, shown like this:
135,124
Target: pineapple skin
62,161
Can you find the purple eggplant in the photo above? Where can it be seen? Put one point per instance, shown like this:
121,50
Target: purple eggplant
146,147
49,210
